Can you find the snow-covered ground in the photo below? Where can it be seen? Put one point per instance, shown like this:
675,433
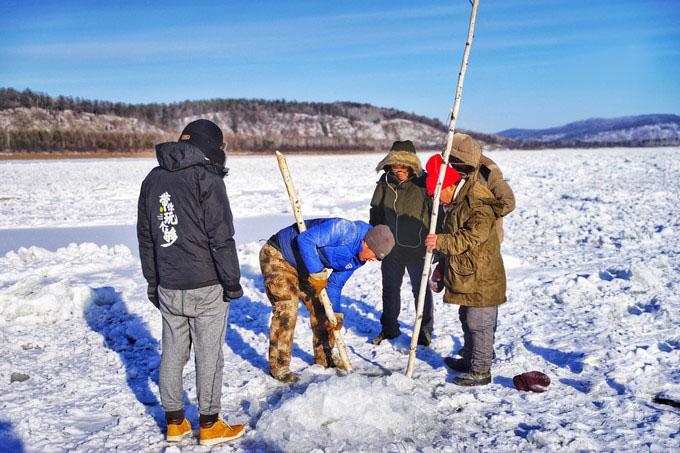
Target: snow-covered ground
592,255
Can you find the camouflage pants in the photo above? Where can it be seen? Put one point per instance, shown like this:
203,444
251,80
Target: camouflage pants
284,289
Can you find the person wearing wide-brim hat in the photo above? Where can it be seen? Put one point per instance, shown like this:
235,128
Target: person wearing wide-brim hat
401,202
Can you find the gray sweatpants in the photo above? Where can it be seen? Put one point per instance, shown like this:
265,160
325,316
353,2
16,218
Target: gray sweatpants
195,316
479,325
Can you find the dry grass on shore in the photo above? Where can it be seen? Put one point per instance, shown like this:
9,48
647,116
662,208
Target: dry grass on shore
103,154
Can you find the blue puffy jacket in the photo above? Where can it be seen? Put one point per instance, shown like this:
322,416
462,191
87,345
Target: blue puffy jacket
328,243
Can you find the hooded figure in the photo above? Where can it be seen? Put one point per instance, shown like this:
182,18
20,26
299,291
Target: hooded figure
474,276
467,158
185,231
400,201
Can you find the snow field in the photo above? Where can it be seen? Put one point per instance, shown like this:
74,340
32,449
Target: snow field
591,254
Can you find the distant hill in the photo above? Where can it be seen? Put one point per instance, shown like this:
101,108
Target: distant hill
31,121
641,130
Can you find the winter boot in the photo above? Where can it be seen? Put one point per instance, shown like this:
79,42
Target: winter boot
219,432
286,376
382,336
424,339
178,430
460,365
473,378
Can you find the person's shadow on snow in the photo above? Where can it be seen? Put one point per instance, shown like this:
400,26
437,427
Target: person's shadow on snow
571,360
364,319
127,334
9,441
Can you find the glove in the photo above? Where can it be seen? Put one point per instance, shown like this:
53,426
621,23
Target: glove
232,292
437,278
319,280
152,294
340,321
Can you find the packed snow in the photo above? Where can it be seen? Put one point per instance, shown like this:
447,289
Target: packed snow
592,256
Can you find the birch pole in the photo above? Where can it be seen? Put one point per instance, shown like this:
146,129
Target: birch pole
323,295
435,203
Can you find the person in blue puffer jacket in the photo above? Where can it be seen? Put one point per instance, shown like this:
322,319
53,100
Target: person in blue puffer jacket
297,266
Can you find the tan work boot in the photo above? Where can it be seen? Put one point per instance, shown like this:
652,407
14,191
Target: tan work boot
286,376
219,432
177,432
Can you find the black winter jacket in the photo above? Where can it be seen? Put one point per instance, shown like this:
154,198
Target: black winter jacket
185,227
405,208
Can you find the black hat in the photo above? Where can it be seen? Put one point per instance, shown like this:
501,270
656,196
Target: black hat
406,145
206,136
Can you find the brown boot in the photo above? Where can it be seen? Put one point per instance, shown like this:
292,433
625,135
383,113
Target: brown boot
473,378
178,431
381,336
219,432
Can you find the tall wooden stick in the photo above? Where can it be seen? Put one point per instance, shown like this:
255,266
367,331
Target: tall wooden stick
323,295
437,192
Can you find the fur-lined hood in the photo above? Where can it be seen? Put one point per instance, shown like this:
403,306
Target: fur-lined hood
466,150
405,158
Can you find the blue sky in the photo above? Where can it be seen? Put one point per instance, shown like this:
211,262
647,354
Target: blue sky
533,64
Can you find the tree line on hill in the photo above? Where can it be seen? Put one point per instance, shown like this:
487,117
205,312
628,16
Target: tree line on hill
76,139
168,117
165,115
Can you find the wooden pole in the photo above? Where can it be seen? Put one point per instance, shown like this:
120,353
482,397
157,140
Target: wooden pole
323,295
435,203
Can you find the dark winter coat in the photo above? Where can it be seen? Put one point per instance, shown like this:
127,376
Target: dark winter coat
403,206
332,243
475,275
184,223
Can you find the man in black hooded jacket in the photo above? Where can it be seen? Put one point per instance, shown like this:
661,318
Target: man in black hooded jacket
186,244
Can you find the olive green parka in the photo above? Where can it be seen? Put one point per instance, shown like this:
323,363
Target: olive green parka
475,275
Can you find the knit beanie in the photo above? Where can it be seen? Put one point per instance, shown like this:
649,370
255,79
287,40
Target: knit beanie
380,240
451,176
206,136
465,151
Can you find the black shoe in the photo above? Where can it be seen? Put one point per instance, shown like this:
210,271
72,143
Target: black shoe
460,365
424,339
382,336
471,379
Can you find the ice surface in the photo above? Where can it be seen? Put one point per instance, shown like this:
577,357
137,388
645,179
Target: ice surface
357,412
591,254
